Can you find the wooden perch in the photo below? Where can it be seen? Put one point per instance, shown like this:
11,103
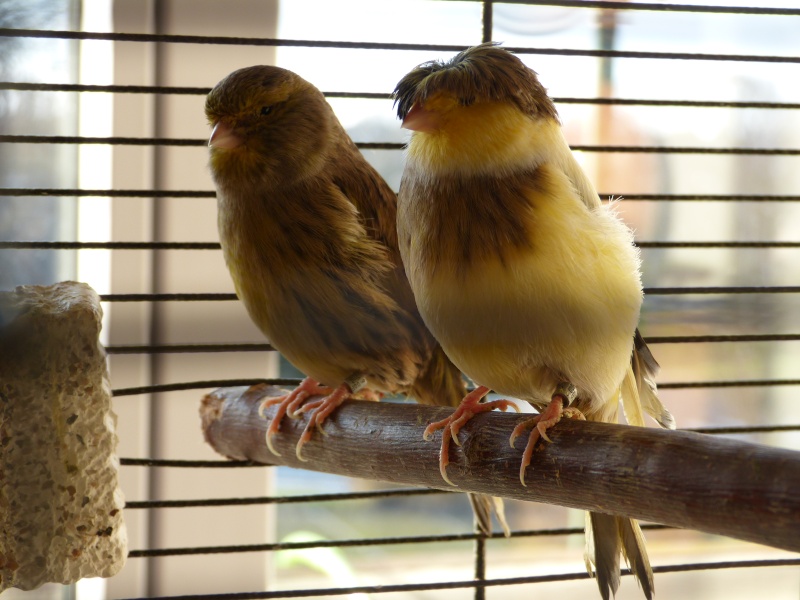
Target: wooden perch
683,479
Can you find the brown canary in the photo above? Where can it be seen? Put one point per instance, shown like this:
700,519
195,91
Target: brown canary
308,232
528,282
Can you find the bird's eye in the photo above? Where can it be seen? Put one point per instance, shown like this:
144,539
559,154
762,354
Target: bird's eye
265,110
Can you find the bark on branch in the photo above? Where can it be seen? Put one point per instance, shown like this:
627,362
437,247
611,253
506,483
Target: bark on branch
683,479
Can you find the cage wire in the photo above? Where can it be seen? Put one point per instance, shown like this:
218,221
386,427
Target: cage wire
481,582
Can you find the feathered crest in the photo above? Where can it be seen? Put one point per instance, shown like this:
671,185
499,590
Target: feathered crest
481,73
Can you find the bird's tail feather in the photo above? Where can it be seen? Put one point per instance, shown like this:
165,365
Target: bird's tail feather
482,507
442,384
607,537
639,389
631,400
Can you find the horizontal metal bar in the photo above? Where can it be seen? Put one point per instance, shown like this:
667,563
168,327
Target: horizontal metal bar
244,41
264,500
722,244
156,89
685,385
743,289
703,197
110,245
188,464
450,585
649,291
659,7
119,193
116,141
704,339
352,543
187,348
744,430
57,245
199,385
134,141
178,297
68,192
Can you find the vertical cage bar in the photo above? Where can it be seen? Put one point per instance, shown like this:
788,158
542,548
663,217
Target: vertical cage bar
480,543
486,21
480,567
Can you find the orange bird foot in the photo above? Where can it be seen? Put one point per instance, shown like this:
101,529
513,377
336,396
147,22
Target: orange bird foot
288,405
293,405
470,406
557,408
320,411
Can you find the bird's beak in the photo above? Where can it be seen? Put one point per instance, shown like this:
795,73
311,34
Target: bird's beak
223,136
420,118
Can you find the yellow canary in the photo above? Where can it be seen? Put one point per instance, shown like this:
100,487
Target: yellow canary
528,282
308,233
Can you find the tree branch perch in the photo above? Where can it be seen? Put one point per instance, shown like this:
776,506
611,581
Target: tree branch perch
682,479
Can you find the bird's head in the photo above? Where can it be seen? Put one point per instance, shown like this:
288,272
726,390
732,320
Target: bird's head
266,122
474,108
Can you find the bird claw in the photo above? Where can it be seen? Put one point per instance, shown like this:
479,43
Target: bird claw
304,437
454,437
299,452
470,406
548,418
262,409
443,471
274,426
543,434
271,448
444,456
319,411
292,405
295,413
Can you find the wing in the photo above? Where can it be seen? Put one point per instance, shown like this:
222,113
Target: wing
566,161
377,206
641,391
